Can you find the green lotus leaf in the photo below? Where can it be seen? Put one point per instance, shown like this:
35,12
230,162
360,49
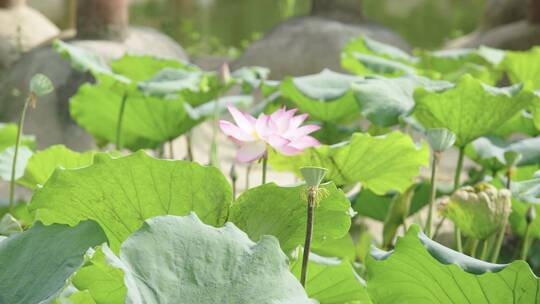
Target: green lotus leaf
147,121
363,56
144,67
86,61
375,206
250,78
36,263
171,81
216,107
523,67
119,194
522,123
380,163
103,282
210,265
398,211
489,151
331,281
8,136
6,162
420,270
471,109
43,163
281,211
454,63
518,221
384,100
342,248
326,96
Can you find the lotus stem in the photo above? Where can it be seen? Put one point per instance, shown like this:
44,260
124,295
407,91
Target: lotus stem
213,146
500,237
16,152
171,149
189,147
264,166
433,192
526,243
309,235
498,243
457,183
119,122
439,225
484,252
474,247
234,178
248,172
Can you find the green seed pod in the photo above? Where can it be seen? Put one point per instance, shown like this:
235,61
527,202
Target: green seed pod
313,175
479,211
440,139
41,85
512,158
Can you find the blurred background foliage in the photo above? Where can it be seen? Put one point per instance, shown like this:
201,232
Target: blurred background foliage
210,26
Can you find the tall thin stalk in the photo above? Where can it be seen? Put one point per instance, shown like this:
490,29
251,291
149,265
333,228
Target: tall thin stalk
189,147
484,252
16,152
309,235
171,149
433,192
526,243
119,121
457,183
248,173
264,167
500,236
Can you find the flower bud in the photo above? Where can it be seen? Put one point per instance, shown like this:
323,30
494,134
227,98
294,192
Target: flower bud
41,85
531,214
479,211
440,139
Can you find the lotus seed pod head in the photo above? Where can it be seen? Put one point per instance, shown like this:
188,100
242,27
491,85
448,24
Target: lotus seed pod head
531,214
440,139
41,85
313,175
479,211
512,158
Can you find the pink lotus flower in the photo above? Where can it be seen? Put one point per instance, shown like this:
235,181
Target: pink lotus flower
281,130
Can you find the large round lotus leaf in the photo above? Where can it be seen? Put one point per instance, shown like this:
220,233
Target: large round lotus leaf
523,67
43,163
35,264
8,136
380,163
331,281
363,56
384,100
471,109
522,123
281,211
171,259
489,151
147,121
421,271
143,67
325,96
119,194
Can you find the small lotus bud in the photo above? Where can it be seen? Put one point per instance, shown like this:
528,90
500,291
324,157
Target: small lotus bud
531,214
313,175
233,174
479,211
440,139
512,158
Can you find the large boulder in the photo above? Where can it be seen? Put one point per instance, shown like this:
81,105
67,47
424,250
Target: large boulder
50,121
21,29
307,45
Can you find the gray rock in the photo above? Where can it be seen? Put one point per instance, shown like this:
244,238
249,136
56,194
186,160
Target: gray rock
520,35
21,29
307,45
50,121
